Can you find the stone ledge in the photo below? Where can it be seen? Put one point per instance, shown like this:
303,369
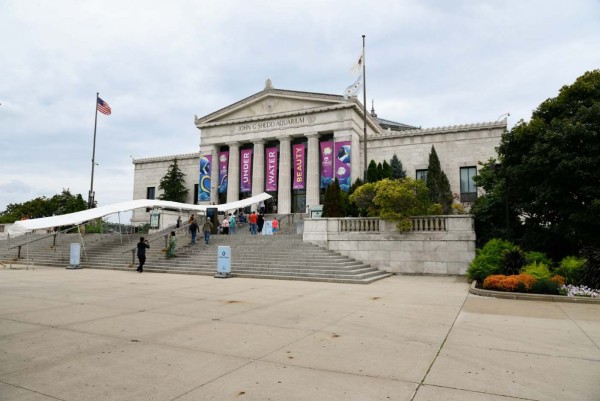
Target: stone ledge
531,297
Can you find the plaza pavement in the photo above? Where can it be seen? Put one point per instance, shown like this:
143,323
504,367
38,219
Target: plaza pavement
113,335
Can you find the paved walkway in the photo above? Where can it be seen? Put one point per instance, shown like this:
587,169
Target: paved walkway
108,335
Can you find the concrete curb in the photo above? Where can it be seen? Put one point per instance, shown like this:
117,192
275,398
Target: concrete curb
531,297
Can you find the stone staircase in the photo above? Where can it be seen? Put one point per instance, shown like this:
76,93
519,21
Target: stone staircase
285,256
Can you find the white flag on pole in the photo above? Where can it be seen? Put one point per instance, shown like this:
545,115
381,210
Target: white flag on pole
353,89
357,67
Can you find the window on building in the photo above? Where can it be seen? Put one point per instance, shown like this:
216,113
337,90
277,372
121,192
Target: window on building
468,189
151,193
195,194
422,175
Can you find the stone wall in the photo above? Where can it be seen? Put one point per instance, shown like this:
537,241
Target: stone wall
435,245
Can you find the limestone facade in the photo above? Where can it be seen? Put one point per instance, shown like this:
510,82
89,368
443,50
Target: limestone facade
282,118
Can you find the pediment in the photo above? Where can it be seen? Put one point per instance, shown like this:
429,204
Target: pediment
271,102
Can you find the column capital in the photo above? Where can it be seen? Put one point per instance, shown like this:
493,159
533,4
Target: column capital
258,141
285,139
312,135
234,144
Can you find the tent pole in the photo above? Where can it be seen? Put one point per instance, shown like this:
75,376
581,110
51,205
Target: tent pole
120,234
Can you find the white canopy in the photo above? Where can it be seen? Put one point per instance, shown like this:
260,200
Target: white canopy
23,226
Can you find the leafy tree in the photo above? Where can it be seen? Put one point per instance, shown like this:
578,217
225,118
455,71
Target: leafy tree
62,203
396,167
438,184
386,171
333,204
551,170
490,210
394,200
173,184
372,174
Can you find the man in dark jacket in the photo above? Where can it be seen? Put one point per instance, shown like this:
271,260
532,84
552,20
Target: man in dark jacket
141,253
194,231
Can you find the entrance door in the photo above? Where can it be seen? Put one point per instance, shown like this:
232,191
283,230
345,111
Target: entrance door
299,202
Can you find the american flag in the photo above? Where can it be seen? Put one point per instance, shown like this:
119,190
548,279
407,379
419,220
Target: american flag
103,107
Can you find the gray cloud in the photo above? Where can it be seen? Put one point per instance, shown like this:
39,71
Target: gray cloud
429,63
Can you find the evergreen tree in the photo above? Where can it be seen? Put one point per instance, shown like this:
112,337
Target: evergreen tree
351,208
173,184
438,184
372,172
386,171
379,171
332,202
397,169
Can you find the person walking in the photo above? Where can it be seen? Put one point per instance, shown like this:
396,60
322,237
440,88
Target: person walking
260,222
261,207
225,225
253,219
207,229
141,253
232,226
178,222
275,225
194,230
172,244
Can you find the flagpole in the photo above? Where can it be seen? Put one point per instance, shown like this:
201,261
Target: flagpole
91,194
364,110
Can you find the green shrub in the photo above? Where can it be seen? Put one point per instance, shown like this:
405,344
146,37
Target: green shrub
571,268
546,286
488,260
538,270
590,275
539,257
513,261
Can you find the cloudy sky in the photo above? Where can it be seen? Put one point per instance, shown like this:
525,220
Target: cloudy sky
158,63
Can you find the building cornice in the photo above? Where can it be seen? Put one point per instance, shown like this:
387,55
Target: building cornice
184,156
388,133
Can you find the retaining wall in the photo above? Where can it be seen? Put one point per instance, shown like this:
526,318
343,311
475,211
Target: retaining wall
435,245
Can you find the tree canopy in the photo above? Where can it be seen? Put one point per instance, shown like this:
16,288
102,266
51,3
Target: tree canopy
59,204
549,171
395,200
173,184
333,203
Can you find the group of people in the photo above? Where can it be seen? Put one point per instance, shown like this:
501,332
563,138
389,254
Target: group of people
257,222
228,226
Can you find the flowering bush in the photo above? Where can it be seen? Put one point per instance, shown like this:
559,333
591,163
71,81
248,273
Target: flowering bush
500,282
579,291
560,280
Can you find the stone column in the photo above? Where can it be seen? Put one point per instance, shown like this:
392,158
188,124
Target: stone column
233,173
284,192
258,168
312,170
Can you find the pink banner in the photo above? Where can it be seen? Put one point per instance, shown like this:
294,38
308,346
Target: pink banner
298,155
326,163
223,166
246,170
342,164
271,179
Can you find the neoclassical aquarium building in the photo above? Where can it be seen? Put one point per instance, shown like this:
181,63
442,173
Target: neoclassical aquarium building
292,144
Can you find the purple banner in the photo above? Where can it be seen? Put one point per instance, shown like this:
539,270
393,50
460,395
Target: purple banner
271,181
223,166
298,155
246,170
326,163
204,187
342,164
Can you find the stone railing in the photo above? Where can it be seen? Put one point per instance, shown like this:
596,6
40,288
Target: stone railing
429,223
363,224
